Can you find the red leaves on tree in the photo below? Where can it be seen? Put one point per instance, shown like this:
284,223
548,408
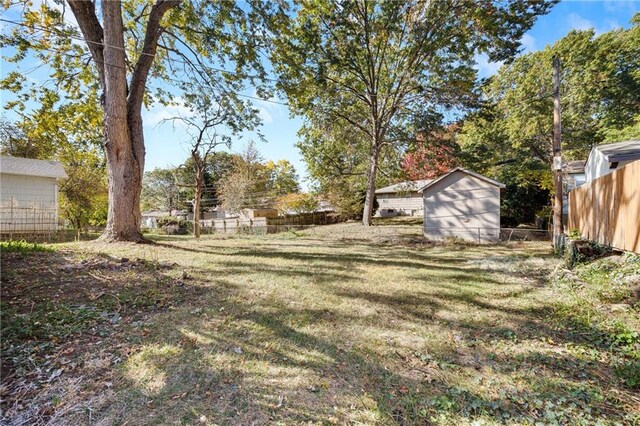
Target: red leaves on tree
431,157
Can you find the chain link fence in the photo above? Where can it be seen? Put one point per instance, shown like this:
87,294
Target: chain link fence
355,231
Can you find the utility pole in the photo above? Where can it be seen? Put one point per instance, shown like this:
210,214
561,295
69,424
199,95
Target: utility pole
558,228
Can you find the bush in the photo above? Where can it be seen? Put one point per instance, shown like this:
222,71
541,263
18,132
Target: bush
172,225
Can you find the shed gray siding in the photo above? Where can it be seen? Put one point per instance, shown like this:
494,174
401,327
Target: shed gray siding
464,206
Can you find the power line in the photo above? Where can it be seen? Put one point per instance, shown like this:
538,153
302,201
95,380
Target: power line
529,101
79,38
225,91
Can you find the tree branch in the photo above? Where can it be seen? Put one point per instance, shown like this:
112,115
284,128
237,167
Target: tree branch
142,67
85,14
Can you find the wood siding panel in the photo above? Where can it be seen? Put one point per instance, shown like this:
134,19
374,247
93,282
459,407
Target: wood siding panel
462,206
607,209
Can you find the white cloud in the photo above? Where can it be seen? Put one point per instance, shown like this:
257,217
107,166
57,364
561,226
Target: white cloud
268,108
265,115
528,43
613,24
157,113
616,5
485,67
577,22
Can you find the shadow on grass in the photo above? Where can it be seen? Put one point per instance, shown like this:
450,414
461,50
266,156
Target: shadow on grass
290,375
236,358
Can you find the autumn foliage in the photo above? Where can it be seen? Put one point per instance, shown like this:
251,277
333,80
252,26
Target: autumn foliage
432,155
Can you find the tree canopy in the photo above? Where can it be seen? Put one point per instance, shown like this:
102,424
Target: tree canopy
140,52
600,96
378,66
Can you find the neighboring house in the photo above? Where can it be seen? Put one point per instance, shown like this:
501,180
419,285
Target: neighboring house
462,204
150,218
574,174
29,195
574,177
603,159
256,213
401,199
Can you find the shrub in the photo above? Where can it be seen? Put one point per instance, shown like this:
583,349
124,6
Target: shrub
172,225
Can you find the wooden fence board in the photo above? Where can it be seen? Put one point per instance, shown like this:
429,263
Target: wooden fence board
607,210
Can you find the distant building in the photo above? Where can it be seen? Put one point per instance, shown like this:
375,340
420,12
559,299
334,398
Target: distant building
401,199
574,177
574,174
603,159
29,195
256,213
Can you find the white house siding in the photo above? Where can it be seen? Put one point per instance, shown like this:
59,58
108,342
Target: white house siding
597,165
28,203
462,206
409,204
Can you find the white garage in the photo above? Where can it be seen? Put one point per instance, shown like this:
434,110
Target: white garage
29,195
462,204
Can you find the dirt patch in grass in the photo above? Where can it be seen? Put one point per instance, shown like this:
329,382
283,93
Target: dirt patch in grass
306,329
68,317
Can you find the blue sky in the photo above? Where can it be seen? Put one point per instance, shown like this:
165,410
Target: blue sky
165,144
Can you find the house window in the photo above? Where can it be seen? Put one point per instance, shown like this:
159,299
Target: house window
614,165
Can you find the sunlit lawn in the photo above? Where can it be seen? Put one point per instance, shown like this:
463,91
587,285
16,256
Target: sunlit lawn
300,329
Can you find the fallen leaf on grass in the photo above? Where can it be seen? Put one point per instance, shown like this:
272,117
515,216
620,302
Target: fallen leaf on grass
182,395
67,351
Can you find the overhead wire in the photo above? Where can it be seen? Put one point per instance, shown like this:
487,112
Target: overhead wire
205,67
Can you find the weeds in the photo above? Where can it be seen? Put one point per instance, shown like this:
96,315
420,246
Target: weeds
597,300
23,247
45,321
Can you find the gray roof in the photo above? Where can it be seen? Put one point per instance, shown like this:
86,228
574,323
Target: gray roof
466,171
620,151
30,167
408,186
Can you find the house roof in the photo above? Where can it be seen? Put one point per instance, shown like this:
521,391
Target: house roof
466,171
620,151
411,185
30,167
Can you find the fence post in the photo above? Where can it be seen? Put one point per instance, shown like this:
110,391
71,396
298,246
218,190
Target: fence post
478,235
11,228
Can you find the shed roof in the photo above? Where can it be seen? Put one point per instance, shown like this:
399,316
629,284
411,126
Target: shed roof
466,171
411,185
620,151
30,167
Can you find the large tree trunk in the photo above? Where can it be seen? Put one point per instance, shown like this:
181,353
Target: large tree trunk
125,184
123,136
123,132
371,185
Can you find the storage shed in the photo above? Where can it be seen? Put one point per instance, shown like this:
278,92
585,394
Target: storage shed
29,195
462,204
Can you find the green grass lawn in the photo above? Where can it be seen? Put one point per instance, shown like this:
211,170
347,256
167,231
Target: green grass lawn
301,329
